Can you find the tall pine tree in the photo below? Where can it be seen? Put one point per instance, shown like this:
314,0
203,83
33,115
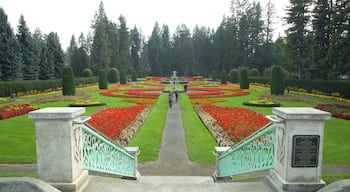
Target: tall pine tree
10,56
30,66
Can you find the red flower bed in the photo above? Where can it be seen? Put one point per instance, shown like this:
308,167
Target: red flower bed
238,122
143,93
14,110
113,120
337,110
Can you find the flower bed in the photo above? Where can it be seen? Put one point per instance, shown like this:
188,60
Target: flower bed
120,124
207,101
14,110
337,110
237,122
268,103
140,101
81,103
238,93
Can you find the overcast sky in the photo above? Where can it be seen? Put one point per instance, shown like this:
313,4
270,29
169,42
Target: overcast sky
68,17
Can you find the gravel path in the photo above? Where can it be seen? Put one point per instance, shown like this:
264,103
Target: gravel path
173,160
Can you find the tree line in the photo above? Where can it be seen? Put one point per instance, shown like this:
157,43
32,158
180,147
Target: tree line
316,45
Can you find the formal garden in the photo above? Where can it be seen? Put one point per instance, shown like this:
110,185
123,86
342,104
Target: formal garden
133,114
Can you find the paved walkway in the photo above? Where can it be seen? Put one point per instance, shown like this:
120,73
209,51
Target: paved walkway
173,160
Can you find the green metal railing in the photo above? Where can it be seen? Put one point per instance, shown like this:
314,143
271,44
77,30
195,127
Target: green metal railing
256,153
102,155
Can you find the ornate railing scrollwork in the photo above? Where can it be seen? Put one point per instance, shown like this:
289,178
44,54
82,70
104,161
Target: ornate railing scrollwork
102,155
256,153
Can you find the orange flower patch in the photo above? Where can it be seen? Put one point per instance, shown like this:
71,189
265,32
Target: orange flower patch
141,101
207,101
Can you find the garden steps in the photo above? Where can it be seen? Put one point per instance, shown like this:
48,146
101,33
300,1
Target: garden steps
175,184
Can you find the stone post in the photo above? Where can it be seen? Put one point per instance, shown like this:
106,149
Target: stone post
299,137
135,151
59,148
217,152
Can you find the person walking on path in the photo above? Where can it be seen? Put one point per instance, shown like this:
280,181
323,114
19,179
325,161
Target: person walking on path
170,96
176,96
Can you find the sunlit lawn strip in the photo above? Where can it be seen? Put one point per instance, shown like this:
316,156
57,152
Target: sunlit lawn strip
149,136
199,141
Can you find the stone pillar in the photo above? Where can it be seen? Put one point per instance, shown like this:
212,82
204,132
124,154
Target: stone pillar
59,147
299,137
217,152
135,151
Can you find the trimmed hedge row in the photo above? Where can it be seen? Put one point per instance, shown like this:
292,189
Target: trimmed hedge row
326,86
9,87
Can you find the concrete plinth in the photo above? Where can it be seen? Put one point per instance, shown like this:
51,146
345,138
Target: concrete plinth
299,137
59,147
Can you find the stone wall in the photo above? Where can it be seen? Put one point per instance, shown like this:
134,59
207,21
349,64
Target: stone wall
126,134
214,128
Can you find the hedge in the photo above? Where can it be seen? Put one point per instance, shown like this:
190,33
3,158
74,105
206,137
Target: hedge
326,86
8,87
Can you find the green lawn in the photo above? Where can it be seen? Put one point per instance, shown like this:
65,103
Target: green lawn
199,141
149,136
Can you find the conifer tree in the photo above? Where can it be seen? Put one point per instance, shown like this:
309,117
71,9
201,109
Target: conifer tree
30,65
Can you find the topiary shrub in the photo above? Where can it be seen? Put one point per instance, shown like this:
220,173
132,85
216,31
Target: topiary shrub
87,72
102,80
243,78
234,76
122,77
254,72
113,75
134,76
223,77
214,76
68,87
277,81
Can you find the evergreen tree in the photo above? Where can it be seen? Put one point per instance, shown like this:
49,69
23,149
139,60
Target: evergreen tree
79,61
68,87
102,80
100,50
234,76
10,56
134,76
70,50
113,75
135,38
277,81
182,50
30,67
55,54
87,73
122,77
165,51
243,78
322,34
153,51
223,77
298,16
124,44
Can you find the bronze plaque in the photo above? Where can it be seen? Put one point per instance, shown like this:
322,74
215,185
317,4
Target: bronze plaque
305,150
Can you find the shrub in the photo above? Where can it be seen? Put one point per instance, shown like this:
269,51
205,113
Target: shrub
243,78
87,72
68,81
214,76
254,72
134,76
122,77
113,75
223,77
102,80
234,76
277,81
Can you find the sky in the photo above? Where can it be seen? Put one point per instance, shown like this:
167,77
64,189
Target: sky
68,17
